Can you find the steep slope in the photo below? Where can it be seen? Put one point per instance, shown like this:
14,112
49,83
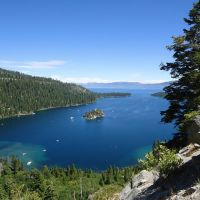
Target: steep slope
23,94
183,185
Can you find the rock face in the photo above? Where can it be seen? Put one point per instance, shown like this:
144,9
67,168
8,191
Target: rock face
184,185
188,152
193,131
139,183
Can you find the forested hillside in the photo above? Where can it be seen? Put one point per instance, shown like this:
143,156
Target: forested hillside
23,94
55,183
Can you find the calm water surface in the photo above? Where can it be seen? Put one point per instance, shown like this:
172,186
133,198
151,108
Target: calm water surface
62,137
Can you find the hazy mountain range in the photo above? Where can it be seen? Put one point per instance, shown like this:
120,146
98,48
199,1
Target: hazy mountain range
127,85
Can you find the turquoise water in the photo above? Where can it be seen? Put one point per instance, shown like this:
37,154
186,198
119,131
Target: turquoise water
62,137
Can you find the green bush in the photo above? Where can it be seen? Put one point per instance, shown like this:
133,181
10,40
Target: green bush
161,159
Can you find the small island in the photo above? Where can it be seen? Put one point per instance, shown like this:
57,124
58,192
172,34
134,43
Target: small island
94,114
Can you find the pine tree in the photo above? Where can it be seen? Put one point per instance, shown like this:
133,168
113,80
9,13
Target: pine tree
108,178
101,182
10,187
116,174
3,194
16,165
37,181
23,94
50,193
46,172
184,93
126,175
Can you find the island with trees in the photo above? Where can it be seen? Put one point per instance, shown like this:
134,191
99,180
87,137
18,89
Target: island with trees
94,114
23,94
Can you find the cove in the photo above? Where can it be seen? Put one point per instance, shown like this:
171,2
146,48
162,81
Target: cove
61,136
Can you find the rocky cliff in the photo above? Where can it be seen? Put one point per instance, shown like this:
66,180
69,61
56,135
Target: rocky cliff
184,185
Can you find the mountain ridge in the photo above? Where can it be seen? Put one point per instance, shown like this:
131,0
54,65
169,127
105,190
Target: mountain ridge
126,85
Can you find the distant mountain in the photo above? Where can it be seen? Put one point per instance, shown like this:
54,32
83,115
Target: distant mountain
127,85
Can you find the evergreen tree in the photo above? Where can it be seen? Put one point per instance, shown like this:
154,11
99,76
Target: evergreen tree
10,187
184,93
103,176
101,182
46,172
23,94
16,165
37,181
3,194
108,178
116,174
55,183
6,168
126,175
50,193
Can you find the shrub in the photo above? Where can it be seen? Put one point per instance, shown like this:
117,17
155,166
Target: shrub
161,159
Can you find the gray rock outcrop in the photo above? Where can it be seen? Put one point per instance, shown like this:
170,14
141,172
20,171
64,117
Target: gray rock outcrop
139,184
184,185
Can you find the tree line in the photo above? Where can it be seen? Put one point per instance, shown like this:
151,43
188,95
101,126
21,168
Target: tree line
17,182
24,94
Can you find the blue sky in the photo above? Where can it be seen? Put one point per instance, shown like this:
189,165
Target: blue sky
90,40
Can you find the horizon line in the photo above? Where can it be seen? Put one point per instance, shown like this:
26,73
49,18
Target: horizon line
85,82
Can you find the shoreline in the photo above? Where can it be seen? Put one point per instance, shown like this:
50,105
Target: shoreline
43,109
67,106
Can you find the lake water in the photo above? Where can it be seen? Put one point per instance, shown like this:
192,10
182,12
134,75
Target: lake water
62,137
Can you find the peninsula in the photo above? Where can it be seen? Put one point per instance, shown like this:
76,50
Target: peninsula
159,94
23,94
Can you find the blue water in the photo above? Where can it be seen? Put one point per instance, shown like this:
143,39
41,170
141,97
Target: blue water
126,133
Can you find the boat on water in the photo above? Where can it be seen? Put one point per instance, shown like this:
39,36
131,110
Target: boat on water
29,163
72,118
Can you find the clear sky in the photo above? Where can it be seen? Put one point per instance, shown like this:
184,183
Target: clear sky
90,40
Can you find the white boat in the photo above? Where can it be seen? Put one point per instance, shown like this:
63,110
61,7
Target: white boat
72,118
57,140
29,163
23,154
44,150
